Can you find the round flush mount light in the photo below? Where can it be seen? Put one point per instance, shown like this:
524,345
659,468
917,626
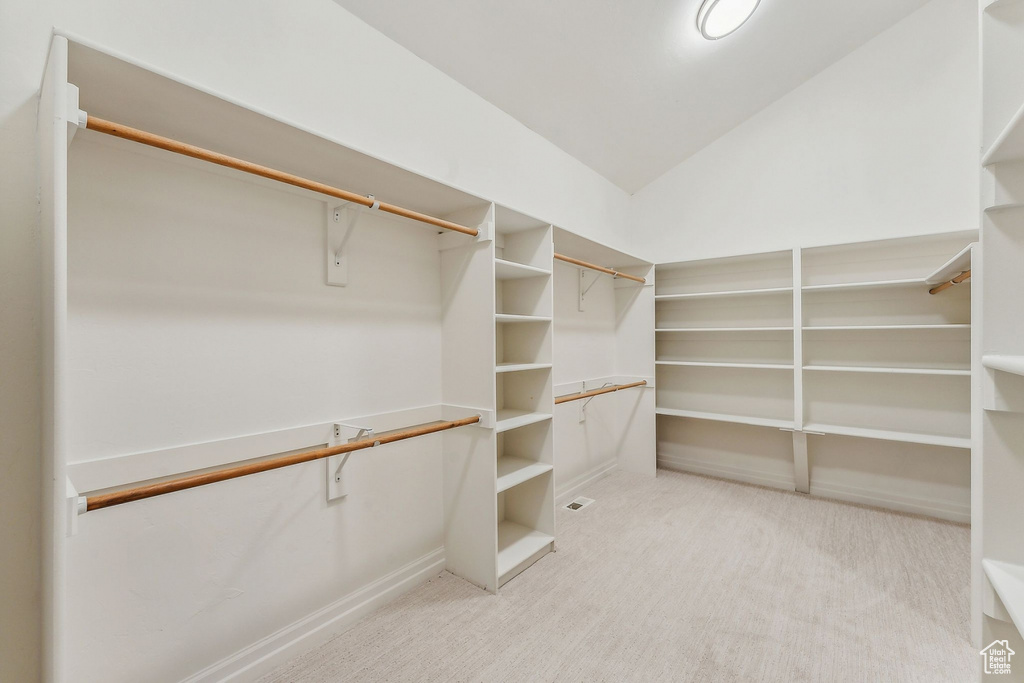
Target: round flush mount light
718,18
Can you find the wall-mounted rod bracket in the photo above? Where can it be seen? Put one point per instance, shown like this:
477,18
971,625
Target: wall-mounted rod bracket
584,287
337,486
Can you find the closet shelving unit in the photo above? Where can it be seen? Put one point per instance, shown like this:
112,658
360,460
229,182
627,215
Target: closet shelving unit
604,337
828,343
255,257
998,554
523,303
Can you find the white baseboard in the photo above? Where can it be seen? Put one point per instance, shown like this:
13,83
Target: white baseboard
572,488
317,628
714,469
889,500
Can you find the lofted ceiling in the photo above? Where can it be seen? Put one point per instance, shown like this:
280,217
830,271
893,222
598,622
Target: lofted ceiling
629,88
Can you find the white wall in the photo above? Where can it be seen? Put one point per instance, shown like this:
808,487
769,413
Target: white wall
883,143
307,60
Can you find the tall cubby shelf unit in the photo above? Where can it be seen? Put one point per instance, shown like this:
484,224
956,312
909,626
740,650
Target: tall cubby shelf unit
998,548
524,487
828,370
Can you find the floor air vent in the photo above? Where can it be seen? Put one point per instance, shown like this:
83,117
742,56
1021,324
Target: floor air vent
579,503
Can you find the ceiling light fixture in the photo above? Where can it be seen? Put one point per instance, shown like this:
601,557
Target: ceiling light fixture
718,18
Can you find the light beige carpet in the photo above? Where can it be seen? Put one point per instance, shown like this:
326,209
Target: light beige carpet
687,578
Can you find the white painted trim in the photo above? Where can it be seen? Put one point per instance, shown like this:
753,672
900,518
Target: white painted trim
572,488
319,627
928,507
741,474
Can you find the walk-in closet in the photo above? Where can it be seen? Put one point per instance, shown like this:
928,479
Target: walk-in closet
474,341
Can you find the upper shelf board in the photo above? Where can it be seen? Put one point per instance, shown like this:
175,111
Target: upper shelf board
953,267
510,270
1009,144
136,95
1011,364
736,292
865,285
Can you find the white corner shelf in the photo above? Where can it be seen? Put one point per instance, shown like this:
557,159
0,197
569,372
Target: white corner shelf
953,372
1011,364
951,268
517,544
722,417
724,293
510,270
1008,582
513,419
873,284
890,435
708,364
510,318
1009,144
513,471
937,326
520,367
723,329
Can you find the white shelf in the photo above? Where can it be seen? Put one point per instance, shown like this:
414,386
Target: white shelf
512,419
996,4
510,270
702,364
1008,581
707,295
888,371
1012,364
513,471
509,318
890,435
865,285
520,367
1002,208
945,326
516,544
721,417
1009,144
951,268
724,329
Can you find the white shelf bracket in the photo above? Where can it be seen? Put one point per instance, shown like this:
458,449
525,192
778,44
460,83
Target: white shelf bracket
337,484
341,223
584,287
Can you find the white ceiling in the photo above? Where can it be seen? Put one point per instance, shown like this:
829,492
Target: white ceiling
629,88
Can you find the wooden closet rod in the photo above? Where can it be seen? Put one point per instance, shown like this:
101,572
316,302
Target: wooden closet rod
602,269
141,136
966,275
106,500
598,392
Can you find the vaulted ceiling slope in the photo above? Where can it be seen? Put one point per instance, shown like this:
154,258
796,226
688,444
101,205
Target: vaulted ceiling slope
629,88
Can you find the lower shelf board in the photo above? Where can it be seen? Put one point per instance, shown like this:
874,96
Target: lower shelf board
721,417
513,471
511,419
1008,581
890,435
516,545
